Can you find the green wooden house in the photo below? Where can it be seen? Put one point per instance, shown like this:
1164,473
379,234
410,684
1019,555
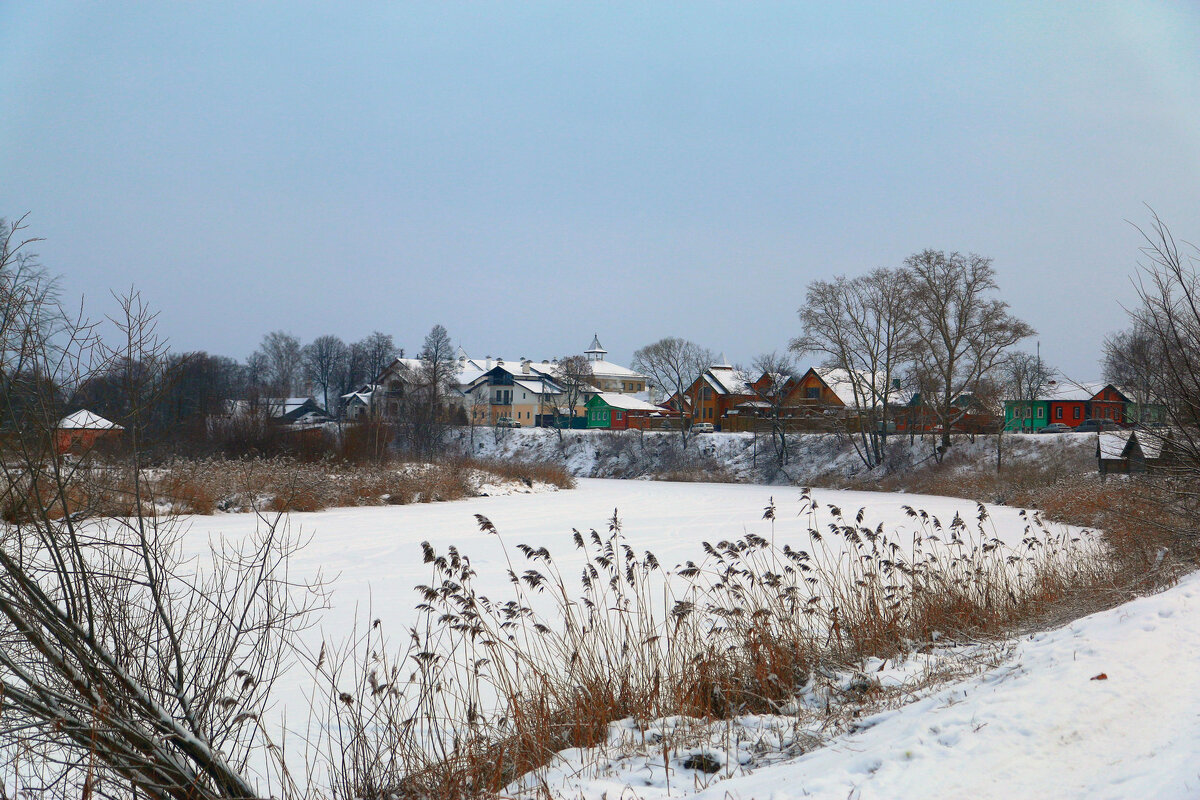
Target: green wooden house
1026,415
620,412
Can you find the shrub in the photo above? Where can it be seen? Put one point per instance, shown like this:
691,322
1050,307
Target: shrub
489,688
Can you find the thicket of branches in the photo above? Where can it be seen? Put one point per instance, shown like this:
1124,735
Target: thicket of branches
1157,360
934,327
127,667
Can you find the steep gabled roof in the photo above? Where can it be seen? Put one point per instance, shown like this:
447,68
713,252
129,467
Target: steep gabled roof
842,383
1112,444
726,380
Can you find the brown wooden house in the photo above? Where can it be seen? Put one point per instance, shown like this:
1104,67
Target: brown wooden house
716,395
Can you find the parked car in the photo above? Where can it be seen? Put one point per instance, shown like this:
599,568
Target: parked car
1055,427
507,422
702,427
1097,425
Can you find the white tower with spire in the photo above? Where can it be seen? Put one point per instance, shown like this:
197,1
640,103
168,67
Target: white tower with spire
596,352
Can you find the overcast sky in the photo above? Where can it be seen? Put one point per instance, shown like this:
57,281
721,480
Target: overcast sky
530,174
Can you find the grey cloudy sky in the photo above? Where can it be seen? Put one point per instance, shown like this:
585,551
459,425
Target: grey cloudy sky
528,174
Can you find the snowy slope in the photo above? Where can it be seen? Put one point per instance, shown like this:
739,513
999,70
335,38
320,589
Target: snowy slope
1107,707
815,457
1042,726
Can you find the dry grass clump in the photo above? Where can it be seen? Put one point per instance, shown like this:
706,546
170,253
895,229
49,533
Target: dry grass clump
526,472
489,688
697,474
277,484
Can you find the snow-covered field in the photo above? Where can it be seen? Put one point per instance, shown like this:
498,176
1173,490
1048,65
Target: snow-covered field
373,554
1039,725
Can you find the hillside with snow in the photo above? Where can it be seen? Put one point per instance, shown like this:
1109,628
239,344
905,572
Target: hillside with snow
815,458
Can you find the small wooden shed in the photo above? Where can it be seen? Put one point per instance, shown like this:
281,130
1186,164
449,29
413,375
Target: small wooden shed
1124,452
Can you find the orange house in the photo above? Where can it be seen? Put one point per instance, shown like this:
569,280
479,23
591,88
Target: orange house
717,392
80,432
821,390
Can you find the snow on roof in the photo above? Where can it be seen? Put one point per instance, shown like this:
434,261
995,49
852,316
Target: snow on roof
727,380
601,367
607,369
1072,390
1113,443
841,382
86,420
1152,443
626,402
538,386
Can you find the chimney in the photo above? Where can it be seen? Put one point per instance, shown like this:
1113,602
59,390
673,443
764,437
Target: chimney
525,365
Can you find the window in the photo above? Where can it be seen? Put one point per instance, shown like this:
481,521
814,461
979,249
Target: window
618,415
708,393
1041,412
812,393
1058,413
1077,410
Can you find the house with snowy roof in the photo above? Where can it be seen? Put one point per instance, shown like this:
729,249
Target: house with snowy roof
610,377
1132,451
615,411
79,432
357,405
532,392
1066,402
826,390
717,393
295,411
524,391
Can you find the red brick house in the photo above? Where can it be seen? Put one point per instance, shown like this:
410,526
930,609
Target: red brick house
79,432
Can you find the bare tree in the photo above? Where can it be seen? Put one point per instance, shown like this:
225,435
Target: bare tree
862,327
1025,376
1021,377
376,352
125,670
282,361
324,361
673,365
427,405
1167,335
777,378
574,376
1133,361
961,332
